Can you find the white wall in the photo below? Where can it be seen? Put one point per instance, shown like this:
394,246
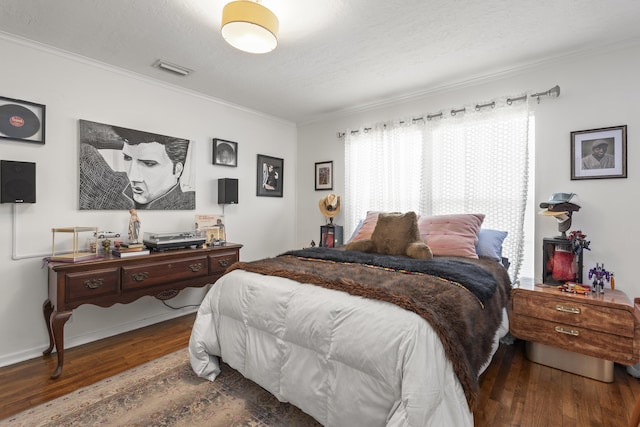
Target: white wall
73,88
598,89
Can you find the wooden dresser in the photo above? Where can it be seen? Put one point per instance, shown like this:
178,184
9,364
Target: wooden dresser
111,280
600,326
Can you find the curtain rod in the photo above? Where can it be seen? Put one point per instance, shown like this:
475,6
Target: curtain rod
553,92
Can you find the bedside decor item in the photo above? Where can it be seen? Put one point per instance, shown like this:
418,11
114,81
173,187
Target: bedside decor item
324,176
562,255
225,153
330,236
269,176
599,275
599,153
22,120
561,206
330,206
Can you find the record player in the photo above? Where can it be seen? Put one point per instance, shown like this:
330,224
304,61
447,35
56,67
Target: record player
177,240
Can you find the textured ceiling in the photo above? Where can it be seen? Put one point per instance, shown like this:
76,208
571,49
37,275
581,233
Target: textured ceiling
333,55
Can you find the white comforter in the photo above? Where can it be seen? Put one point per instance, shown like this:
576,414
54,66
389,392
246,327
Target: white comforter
344,360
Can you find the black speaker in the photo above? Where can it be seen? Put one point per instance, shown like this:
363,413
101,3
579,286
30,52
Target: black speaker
227,191
18,182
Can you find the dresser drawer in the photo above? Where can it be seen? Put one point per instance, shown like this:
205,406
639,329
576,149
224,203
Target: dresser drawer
91,284
573,338
162,273
219,262
572,311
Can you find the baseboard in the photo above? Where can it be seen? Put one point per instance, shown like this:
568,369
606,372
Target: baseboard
33,353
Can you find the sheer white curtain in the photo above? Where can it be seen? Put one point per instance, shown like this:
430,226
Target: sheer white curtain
473,162
383,172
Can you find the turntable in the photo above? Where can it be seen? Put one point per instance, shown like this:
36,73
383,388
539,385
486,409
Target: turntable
179,240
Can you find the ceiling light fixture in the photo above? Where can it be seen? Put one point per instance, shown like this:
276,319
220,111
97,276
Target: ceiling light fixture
172,68
249,26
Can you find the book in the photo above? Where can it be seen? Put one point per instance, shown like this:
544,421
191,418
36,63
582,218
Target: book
132,245
121,254
130,249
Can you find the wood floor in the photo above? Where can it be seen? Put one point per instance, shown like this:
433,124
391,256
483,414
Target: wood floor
514,391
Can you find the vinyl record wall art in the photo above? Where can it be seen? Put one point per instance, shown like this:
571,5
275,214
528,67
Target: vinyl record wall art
21,120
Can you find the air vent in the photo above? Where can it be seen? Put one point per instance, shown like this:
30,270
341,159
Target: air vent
172,68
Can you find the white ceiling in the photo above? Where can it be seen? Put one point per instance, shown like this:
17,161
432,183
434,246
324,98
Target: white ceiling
333,55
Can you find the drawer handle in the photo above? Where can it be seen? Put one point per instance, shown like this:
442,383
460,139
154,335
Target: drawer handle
223,262
195,267
139,277
565,309
567,331
93,283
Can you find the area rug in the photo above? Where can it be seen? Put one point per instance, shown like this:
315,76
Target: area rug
166,392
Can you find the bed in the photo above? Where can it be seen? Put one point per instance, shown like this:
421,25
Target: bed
357,338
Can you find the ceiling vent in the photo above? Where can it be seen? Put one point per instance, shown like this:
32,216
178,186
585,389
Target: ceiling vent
172,68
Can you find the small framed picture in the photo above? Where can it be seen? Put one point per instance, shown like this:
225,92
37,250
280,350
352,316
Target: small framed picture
225,153
269,176
599,153
324,175
22,120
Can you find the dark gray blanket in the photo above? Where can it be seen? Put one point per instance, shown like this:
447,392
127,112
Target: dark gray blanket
476,279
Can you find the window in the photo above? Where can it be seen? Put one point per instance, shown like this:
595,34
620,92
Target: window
474,162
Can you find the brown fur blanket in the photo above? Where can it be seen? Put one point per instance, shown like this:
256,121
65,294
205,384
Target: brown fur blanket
465,327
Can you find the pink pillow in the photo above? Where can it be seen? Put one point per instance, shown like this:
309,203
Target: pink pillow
451,235
368,225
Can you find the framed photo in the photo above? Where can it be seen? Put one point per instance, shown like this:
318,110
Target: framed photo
324,176
225,153
599,153
22,120
212,228
269,176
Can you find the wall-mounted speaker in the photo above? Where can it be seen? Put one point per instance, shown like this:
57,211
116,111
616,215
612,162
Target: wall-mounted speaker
227,191
17,182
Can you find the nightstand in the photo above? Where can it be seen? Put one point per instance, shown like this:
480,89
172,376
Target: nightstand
582,334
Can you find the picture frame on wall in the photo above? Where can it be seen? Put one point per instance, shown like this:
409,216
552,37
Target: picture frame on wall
269,176
599,153
324,175
22,120
225,153
122,168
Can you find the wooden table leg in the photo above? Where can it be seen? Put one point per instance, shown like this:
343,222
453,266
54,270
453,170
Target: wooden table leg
57,325
47,309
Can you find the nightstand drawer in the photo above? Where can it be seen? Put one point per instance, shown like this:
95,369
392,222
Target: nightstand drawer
219,263
91,284
575,312
162,273
574,338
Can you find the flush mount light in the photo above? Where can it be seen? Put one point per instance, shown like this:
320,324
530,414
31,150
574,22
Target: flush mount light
249,26
172,68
